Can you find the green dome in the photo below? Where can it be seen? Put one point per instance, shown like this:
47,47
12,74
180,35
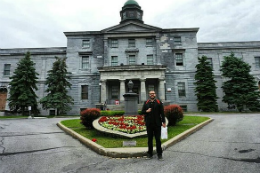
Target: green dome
131,2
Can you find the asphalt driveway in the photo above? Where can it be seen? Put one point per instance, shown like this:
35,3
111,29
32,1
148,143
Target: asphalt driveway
231,143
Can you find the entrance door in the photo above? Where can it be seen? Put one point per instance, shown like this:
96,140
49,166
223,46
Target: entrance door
3,97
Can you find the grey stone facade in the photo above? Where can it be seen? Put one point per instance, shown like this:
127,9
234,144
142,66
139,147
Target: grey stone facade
153,58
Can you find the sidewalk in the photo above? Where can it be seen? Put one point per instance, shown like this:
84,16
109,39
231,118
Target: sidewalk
127,152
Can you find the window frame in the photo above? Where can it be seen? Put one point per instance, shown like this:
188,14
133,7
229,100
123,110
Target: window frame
149,42
181,89
150,61
177,40
84,92
114,43
85,64
86,43
210,60
179,59
131,43
257,62
130,62
114,60
7,71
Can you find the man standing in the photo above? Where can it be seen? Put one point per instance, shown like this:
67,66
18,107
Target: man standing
154,119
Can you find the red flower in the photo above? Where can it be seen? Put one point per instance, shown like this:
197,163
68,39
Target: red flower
94,139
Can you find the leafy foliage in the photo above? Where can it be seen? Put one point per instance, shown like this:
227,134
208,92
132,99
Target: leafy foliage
205,86
240,89
88,116
23,86
173,113
57,83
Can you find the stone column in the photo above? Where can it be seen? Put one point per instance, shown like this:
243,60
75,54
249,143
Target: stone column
103,91
162,89
143,90
122,90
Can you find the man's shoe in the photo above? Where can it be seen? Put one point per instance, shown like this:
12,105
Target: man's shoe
160,158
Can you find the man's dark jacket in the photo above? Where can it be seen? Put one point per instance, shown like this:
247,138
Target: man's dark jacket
157,112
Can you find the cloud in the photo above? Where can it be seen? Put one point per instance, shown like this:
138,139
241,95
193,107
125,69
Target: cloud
41,23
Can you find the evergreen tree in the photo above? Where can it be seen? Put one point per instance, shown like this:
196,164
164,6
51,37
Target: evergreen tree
205,86
241,89
57,83
23,84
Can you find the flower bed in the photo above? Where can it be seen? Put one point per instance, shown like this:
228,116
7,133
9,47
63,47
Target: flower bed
125,124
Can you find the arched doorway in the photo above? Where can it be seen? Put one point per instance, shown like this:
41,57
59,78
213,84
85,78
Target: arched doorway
3,97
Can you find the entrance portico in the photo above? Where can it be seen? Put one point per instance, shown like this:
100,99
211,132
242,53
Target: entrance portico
145,78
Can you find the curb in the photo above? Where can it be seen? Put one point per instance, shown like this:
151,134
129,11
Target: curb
131,151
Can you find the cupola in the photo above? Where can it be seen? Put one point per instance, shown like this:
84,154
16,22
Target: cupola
131,11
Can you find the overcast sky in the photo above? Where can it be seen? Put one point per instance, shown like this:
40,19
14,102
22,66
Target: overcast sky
41,23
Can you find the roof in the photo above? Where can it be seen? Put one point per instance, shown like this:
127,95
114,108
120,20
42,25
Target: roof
131,2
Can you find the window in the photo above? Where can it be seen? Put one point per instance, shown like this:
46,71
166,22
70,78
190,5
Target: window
181,89
131,59
51,112
86,43
257,62
149,42
131,42
114,43
7,69
184,108
151,88
114,61
114,92
84,92
85,62
210,62
177,40
149,59
179,59
82,109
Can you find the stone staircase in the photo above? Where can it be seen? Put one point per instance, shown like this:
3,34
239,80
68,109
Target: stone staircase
121,107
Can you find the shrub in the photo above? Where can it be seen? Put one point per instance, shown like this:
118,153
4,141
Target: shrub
173,113
88,116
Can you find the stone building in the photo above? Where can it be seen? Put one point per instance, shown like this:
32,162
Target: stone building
103,62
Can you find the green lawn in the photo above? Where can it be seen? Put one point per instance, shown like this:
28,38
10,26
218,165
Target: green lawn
115,141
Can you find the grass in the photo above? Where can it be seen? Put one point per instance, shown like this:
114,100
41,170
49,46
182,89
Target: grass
116,142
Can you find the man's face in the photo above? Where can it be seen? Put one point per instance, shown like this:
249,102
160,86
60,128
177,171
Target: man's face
152,94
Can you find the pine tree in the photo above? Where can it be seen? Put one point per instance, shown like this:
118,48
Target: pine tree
57,83
241,88
205,86
23,84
